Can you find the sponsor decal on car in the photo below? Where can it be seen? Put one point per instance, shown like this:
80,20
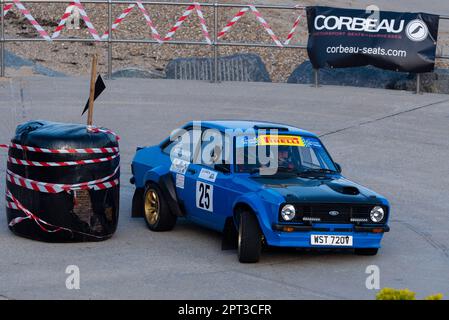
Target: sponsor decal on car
180,180
276,140
179,166
208,175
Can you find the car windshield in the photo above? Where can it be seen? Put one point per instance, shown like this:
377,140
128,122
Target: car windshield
284,153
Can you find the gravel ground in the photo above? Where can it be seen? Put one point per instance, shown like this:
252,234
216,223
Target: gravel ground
73,58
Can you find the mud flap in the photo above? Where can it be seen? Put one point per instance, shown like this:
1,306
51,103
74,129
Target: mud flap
169,191
230,235
137,206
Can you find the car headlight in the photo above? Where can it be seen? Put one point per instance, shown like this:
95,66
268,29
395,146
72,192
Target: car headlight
288,212
377,214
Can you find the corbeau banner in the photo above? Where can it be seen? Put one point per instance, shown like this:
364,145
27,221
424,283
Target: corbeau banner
342,38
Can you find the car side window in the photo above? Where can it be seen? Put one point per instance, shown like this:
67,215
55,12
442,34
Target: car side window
212,148
182,147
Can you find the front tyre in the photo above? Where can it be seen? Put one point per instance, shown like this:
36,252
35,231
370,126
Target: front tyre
249,238
366,251
156,212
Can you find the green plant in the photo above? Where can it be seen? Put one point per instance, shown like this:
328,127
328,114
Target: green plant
438,296
395,294
402,294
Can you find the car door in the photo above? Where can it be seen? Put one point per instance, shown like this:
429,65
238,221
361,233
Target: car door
181,152
207,188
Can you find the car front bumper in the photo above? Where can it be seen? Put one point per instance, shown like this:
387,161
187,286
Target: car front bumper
299,235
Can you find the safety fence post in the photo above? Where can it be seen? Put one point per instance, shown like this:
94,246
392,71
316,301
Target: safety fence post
316,78
2,39
418,83
109,75
215,45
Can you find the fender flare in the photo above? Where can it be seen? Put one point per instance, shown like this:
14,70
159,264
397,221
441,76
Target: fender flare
252,200
163,178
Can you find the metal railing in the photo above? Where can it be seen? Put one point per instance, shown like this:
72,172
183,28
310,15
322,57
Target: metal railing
215,43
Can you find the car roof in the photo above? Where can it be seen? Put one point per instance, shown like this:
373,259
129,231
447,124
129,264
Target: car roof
251,124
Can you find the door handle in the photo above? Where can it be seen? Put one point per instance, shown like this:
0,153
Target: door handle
191,171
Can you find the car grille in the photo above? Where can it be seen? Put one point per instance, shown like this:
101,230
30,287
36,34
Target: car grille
347,213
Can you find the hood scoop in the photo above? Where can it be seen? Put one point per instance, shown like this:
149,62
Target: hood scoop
349,190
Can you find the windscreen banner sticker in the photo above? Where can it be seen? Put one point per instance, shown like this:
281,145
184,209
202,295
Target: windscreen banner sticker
311,142
180,180
208,175
179,166
204,196
278,140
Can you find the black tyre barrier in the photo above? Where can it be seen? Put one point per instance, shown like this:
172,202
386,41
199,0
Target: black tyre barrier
81,211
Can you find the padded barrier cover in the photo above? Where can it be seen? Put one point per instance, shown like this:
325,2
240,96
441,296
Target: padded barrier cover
91,214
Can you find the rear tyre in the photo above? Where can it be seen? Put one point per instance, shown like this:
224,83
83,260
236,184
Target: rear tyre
249,238
366,251
156,212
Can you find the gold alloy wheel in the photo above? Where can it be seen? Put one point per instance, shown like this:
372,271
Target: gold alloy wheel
151,206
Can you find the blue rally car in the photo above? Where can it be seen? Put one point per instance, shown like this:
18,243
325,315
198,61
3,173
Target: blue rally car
258,183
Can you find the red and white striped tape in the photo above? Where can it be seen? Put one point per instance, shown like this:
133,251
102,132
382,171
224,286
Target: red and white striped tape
86,19
259,18
117,21
44,150
293,31
62,22
233,21
99,184
194,7
68,150
6,8
59,164
266,26
31,19
16,205
43,225
154,32
45,187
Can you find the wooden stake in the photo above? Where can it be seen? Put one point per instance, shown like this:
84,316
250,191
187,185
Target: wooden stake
93,76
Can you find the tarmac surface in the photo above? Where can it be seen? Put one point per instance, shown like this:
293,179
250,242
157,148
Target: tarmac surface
393,142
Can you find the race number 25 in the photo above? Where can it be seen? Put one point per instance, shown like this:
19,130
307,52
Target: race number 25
204,196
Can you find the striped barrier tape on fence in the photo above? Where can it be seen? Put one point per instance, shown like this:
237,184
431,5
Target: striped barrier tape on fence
194,7
293,30
259,18
203,24
117,21
242,12
31,19
62,22
178,23
6,8
154,32
233,21
266,26
86,19
59,164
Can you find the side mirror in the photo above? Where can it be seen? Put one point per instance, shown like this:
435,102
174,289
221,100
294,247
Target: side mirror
223,167
338,167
